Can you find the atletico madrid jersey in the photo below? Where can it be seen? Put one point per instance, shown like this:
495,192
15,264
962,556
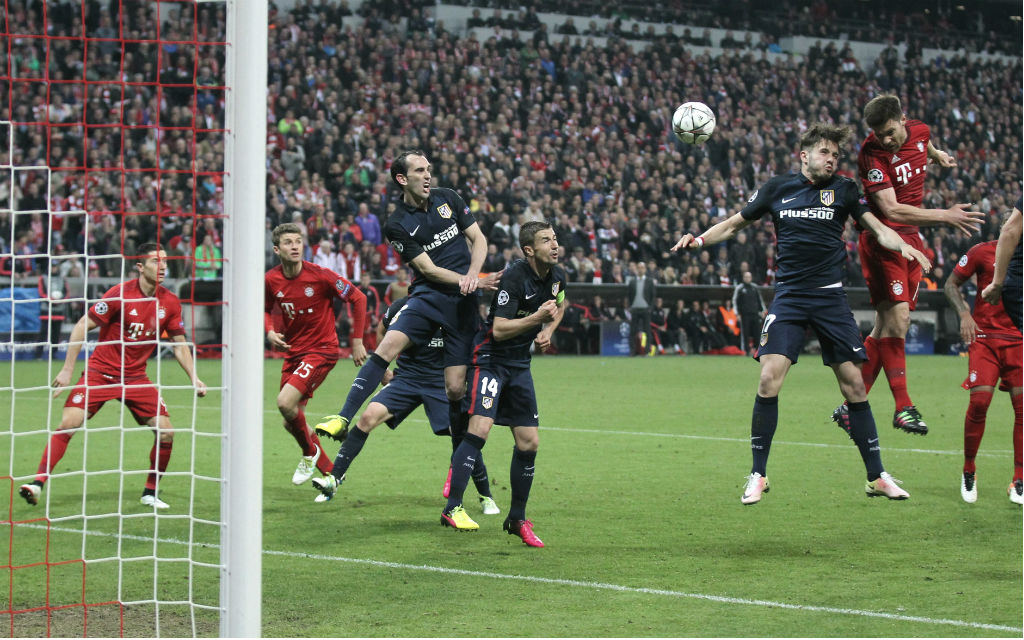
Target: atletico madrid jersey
992,319
306,311
903,171
127,314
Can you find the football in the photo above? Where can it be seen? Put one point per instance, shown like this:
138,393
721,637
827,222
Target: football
693,122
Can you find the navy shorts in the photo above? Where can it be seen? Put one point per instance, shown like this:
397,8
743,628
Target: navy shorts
427,310
826,311
503,394
402,395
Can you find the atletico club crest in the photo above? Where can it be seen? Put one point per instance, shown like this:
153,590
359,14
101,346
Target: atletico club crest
828,196
487,402
444,211
554,289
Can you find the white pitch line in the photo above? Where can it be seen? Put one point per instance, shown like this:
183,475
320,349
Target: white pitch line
602,586
821,445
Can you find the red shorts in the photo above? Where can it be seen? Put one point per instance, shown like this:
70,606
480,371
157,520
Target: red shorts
991,360
305,373
141,396
889,275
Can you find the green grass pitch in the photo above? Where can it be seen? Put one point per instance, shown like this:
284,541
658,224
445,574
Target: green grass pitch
636,496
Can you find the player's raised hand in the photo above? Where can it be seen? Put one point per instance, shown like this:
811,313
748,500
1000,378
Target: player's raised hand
910,253
546,311
966,221
200,388
491,281
468,284
686,242
62,380
276,341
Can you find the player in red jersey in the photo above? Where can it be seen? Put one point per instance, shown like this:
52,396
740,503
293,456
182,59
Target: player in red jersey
892,166
305,292
995,354
132,316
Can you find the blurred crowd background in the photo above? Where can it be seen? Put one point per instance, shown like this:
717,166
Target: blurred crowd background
528,123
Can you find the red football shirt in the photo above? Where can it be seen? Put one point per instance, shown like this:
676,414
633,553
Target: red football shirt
903,171
126,314
306,311
992,319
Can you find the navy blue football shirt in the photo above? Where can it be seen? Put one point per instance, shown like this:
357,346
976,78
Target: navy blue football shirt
809,220
436,231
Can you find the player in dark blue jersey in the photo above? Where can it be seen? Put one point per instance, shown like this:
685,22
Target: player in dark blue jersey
525,311
809,210
430,229
1008,278
418,379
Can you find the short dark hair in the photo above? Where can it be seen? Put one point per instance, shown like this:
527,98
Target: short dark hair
819,131
529,230
400,166
283,228
147,248
882,109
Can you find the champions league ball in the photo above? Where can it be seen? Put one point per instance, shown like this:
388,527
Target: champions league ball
693,122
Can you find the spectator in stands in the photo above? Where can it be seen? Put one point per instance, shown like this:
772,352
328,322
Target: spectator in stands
641,293
208,259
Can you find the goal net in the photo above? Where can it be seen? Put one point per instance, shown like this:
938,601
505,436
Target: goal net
115,131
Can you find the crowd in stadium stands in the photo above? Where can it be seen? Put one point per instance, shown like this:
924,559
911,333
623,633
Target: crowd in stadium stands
529,126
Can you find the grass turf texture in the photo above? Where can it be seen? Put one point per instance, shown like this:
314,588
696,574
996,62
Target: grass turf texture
636,496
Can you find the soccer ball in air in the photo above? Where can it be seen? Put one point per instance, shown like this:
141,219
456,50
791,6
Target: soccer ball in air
693,122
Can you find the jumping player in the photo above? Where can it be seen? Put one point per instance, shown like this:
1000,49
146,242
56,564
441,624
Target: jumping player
305,292
809,210
429,229
132,316
892,166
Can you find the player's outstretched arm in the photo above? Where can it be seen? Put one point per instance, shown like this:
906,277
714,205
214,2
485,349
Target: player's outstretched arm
968,222
183,354
893,242
968,327
718,233
491,281
1009,238
75,342
431,271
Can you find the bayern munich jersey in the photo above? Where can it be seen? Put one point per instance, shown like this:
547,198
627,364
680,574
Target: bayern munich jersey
127,314
903,171
809,221
436,231
306,310
992,319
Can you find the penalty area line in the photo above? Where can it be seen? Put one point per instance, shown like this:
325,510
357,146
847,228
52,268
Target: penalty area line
604,586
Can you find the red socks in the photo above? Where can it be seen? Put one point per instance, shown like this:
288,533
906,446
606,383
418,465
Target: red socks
53,452
870,368
1017,445
158,462
974,426
893,356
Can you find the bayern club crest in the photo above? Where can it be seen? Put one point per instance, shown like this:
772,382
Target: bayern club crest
161,313
920,146
77,398
308,291
897,287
